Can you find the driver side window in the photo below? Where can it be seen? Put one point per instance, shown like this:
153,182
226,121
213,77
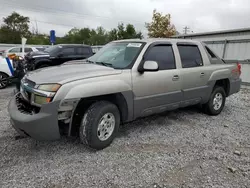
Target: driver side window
163,55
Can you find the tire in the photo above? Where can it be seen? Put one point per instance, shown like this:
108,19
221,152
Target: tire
213,107
42,66
3,84
95,117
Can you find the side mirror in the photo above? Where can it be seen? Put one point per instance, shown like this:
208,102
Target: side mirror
149,66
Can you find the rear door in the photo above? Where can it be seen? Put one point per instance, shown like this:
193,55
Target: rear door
193,74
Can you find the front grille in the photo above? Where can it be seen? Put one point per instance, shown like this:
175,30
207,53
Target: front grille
25,107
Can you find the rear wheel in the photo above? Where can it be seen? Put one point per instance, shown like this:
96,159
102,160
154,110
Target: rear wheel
3,80
99,125
216,102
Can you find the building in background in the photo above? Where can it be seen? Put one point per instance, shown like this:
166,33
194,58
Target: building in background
228,44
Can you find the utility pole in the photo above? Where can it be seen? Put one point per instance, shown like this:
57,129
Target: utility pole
186,30
36,28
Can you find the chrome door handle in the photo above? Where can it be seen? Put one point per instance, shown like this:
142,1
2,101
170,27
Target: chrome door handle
202,74
175,78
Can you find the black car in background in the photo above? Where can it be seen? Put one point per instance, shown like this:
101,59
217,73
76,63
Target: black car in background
57,55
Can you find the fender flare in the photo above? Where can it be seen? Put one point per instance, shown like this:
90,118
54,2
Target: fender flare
97,89
41,61
219,75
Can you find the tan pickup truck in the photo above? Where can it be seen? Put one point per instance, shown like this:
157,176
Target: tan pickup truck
123,81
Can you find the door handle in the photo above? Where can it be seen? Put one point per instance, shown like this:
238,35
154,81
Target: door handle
202,74
175,78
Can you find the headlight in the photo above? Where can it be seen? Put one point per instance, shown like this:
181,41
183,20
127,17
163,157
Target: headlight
44,93
49,87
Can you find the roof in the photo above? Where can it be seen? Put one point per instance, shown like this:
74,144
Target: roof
149,40
72,45
215,32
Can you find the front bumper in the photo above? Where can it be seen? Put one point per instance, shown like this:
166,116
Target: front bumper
40,126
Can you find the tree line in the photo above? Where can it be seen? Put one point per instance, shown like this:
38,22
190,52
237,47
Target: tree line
16,26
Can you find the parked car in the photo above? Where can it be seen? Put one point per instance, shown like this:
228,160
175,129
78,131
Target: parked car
123,81
18,51
57,55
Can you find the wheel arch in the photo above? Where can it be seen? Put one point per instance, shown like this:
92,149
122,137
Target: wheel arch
38,63
225,84
5,73
121,100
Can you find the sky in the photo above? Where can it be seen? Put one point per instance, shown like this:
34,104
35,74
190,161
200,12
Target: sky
62,15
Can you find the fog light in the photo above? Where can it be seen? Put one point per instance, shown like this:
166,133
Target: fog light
41,100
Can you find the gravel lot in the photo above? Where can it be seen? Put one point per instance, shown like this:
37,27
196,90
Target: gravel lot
183,148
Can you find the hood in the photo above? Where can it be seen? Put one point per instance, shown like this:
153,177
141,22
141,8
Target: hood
70,72
38,54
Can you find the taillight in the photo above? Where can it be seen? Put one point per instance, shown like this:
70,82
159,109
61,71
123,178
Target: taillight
239,68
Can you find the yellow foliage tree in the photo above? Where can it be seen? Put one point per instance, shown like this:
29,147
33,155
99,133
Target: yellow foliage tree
161,26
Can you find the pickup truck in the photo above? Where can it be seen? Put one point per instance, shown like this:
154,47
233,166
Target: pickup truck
57,55
123,81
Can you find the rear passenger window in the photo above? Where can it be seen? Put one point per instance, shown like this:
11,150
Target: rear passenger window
85,50
190,56
82,51
163,55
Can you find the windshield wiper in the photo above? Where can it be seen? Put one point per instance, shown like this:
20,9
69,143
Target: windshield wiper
89,61
100,63
105,64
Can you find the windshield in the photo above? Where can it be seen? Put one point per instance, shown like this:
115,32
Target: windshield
52,49
40,49
117,54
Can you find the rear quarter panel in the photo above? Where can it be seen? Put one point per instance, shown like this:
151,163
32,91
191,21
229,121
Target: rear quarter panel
226,71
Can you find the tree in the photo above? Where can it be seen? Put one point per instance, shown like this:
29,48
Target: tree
161,26
39,39
131,32
127,32
101,37
113,35
15,26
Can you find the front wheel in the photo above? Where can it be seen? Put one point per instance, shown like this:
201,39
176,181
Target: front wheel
99,125
216,102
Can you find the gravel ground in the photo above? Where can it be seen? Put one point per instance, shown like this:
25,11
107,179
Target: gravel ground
183,148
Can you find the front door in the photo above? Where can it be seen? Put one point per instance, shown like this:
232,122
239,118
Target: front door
160,90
